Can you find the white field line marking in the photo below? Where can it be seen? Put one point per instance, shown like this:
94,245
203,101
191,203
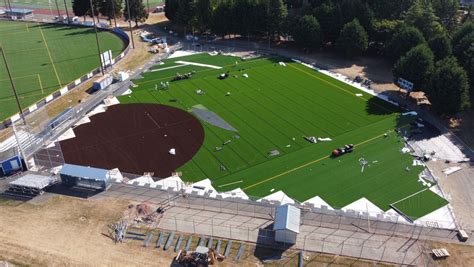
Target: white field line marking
231,183
412,195
167,68
198,64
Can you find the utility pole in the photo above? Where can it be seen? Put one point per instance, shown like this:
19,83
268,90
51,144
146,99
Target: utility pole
130,23
10,6
113,10
67,13
96,38
57,8
13,85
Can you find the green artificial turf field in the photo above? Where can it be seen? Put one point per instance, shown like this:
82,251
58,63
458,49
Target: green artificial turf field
44,58
273,109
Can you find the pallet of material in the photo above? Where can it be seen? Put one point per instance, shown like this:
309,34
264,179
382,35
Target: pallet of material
440,253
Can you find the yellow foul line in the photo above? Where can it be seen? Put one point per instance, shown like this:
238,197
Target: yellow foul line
50,58
306,164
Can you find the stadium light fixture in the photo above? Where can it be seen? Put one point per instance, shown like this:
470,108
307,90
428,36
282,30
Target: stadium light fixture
13,84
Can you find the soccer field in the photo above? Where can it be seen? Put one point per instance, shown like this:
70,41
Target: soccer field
273,110
44,58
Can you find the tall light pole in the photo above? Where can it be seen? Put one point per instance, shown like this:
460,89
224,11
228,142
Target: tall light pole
67,13
57,8
13,84
96,38
130,23
113,11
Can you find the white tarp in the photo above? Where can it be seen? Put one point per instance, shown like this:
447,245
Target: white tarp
318,202
278,196
363,205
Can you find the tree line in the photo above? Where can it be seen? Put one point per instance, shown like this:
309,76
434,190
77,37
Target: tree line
427,41
111,9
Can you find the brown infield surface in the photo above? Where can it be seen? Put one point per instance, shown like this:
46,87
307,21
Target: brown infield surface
136,138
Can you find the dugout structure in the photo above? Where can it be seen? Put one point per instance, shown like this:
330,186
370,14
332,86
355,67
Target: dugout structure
19,13
10,162
86,177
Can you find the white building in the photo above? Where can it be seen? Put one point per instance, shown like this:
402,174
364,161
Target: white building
287,224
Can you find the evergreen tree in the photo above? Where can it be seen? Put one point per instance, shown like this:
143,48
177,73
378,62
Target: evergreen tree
203,14
449,90
353,40
171,9
221,24
404,39
186,14
464,52
441,46
331,21
421,16
81,8
446,10
276,15
111,9
307,32
137,11
416,66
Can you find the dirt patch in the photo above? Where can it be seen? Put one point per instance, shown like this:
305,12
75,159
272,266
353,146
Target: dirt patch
136,138
67,231
460,255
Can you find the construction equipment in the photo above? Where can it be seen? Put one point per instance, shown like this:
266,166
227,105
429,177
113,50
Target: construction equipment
343,150
202,256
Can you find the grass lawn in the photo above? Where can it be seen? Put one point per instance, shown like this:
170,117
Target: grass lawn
44,58
273,109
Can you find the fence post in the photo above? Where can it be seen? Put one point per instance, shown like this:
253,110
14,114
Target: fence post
230,231
248,233
176,223
194,227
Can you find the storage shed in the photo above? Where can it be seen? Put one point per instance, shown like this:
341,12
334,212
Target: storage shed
88,177
10,162
287,223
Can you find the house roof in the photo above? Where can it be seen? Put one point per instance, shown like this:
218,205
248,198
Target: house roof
287,217
85,172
